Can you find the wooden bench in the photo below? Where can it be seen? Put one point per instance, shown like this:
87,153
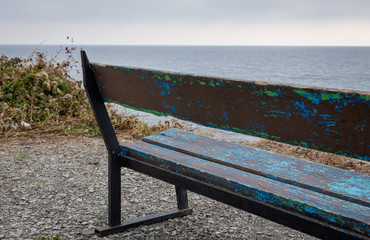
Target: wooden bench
323,201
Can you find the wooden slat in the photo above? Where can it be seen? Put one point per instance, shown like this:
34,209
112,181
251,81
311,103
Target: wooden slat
329,120
334,211
336,182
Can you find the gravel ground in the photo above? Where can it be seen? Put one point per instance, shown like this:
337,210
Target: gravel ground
58,185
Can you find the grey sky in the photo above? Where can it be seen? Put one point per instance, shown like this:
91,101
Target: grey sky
195,22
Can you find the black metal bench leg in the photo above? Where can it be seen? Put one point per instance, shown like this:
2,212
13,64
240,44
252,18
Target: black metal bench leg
182,198
183,210
114,191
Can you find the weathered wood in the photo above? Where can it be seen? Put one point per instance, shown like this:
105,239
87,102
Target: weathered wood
328,120
290,219
331,210
332,181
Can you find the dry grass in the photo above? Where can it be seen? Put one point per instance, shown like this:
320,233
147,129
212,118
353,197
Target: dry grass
38,96
329,159
129,128
135,129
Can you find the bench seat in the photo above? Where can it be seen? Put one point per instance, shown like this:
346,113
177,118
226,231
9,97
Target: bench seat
318,193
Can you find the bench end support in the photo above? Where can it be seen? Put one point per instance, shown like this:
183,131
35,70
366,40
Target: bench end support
146,220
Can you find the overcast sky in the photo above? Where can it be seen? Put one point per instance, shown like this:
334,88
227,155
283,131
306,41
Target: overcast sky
186,22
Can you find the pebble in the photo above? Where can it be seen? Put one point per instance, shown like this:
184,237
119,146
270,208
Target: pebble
57,190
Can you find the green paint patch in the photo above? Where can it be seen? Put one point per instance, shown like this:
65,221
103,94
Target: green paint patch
309,96
301,92
177,81
202,83
271,93
275,138
262,135
167,77
330,96
271,115
366,98
212,84
317,96
136,108
237,130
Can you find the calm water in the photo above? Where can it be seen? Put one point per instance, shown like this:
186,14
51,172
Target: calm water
331,67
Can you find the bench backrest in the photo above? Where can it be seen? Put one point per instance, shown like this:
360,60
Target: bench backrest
324,119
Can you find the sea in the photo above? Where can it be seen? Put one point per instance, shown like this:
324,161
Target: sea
326,67
329,67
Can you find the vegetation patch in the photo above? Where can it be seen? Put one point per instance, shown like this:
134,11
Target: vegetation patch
325,158
57,237
38,95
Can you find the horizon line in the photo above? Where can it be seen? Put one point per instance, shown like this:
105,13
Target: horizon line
177,45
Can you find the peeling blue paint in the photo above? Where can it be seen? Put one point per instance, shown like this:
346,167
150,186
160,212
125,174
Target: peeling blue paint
164,87
275,166
170,107
303,109
275,193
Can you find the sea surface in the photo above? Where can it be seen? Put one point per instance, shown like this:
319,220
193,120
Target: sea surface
329,67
